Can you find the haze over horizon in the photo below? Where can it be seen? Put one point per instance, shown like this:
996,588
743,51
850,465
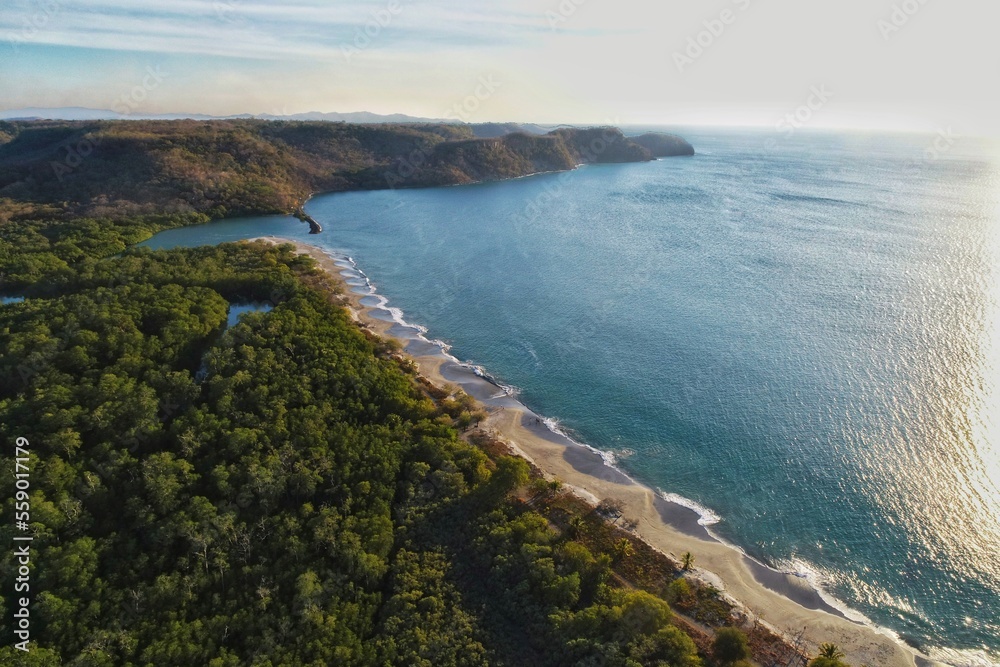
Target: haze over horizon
893,65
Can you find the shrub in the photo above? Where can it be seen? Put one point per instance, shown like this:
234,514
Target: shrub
730,645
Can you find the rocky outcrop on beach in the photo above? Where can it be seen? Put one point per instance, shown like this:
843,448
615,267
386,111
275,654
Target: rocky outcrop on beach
314,226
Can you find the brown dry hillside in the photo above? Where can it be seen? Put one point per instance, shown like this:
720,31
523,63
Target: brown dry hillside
231,167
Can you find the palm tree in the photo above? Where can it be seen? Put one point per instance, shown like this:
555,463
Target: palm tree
687,560
830,651
623,549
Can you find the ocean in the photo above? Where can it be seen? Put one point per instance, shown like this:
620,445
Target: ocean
800,335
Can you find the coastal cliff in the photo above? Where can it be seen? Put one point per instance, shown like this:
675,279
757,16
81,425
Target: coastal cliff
664,145
235,167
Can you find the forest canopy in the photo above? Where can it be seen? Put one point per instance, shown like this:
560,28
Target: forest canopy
278,492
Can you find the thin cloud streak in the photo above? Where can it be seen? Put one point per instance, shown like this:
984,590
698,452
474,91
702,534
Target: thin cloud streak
560,60
234,28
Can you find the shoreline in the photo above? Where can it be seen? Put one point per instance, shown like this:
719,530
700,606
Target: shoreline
788,603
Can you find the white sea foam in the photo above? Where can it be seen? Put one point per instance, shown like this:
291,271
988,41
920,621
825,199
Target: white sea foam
706,516
440,344
609,457
821,582
963,658
398,316
816,579
506,390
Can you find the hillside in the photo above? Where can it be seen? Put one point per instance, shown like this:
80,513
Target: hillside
663,145
492,130
285,490
288,490
232,167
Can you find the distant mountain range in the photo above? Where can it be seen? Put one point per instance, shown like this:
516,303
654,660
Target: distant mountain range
482,130
84,113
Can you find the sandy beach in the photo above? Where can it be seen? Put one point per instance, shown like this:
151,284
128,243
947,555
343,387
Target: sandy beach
787,603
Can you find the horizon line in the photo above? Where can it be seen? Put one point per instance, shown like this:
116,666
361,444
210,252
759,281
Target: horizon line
267,116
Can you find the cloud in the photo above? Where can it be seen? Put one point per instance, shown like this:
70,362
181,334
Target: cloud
561,60
257,30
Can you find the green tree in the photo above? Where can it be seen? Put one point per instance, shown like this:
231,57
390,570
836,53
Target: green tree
730,645
36,656
624,549
667,647
301,501
511,474
678,590
829,655
830,651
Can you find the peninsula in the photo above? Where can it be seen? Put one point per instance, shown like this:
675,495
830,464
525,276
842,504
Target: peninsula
223,168
290,488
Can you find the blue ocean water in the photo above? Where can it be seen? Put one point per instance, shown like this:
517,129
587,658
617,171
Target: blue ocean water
800,334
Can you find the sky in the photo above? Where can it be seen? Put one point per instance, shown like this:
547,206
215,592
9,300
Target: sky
919,65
